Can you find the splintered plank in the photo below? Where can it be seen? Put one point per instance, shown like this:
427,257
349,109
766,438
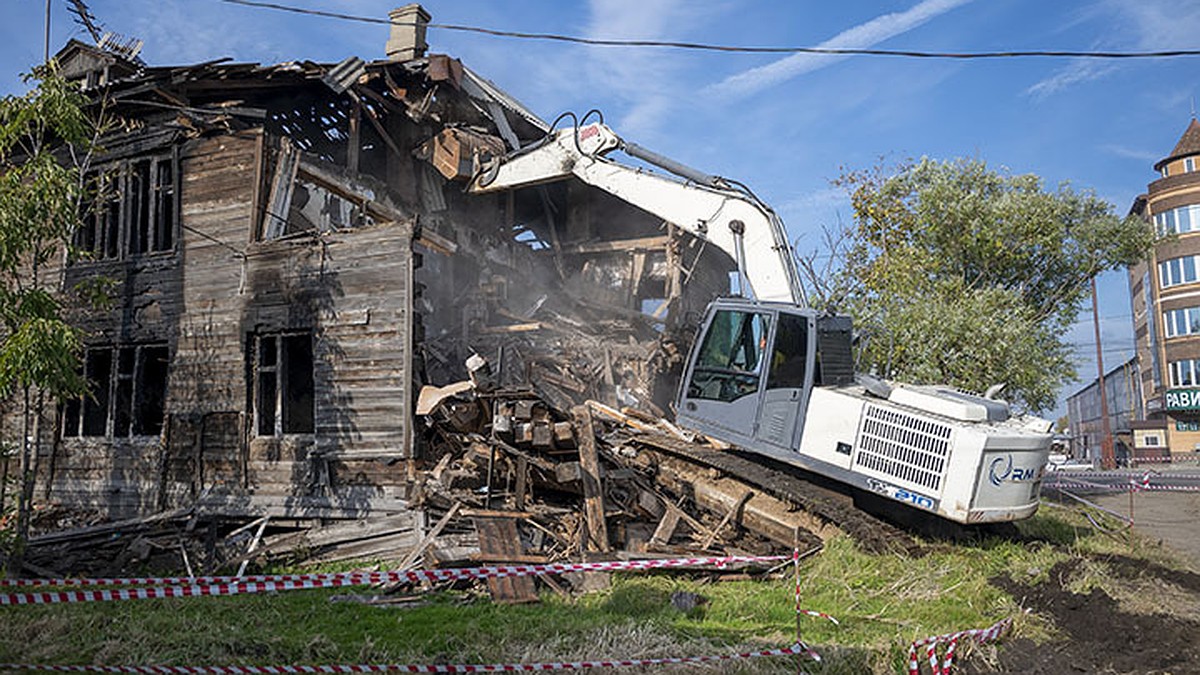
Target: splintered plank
499,540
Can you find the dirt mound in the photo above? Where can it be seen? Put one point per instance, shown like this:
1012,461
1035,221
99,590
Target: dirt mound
1096,634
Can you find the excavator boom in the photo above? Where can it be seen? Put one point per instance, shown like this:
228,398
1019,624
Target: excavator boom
705,206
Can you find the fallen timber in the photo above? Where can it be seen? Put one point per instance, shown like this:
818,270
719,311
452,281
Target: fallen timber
506,477
817,512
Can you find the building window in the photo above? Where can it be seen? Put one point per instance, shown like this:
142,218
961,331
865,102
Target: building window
282,376
1182,322
127,393
133,209
1179,220
1151,441
1177,271
1189,165
1184,373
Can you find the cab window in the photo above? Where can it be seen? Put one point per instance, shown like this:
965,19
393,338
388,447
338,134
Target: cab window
727,367
790,353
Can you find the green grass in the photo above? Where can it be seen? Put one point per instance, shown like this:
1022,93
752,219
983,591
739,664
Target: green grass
883,602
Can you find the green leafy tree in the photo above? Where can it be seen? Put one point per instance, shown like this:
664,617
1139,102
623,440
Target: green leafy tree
45,139
965,275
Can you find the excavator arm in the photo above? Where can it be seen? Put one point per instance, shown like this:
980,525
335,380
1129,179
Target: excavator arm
706,206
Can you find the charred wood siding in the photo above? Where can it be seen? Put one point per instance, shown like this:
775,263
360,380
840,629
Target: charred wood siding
207,299
207,390
350,290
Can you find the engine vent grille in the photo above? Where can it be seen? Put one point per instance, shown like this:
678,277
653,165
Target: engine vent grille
909,449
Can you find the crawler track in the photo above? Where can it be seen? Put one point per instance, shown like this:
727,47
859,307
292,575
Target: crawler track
783,483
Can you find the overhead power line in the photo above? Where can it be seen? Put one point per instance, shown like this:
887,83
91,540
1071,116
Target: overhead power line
700,46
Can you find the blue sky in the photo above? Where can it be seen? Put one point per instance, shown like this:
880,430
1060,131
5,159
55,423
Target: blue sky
785,125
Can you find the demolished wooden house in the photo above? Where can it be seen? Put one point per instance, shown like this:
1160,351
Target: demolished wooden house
294,256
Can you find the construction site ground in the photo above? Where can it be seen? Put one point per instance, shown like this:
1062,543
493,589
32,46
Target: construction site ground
511,478
1108,602
1114,613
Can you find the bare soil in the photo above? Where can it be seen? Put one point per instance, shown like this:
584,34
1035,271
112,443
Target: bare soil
1153,626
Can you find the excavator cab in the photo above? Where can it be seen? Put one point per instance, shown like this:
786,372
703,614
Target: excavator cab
753,367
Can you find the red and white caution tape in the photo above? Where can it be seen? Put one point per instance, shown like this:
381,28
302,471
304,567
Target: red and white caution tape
1137,484
1059,484
794,650
981,635
819,615
176,587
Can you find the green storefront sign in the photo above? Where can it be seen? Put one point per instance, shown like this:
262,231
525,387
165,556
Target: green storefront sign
1183,399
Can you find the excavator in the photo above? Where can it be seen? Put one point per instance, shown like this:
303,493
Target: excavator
771,376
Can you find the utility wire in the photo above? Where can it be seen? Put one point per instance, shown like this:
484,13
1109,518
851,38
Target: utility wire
700,46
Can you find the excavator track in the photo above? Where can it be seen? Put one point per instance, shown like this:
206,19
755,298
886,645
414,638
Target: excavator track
783,483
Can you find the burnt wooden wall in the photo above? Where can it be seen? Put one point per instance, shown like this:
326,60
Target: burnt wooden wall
351,288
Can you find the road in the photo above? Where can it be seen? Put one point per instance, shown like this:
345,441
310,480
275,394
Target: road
1165,508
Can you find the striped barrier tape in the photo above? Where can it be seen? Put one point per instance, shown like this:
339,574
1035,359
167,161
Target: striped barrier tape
819,615
1080,484
1136,485
981,635
218,586
1120,474
794,650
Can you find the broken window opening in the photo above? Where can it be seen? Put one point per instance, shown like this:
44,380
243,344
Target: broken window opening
132,209
127,392
316,208
282,377
531,239
300,203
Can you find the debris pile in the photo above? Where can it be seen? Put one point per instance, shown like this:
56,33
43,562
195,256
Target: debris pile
505,477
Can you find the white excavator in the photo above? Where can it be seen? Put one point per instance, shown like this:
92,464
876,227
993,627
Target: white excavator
773,377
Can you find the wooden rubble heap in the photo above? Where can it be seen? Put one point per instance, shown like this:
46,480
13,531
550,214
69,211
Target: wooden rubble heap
508,478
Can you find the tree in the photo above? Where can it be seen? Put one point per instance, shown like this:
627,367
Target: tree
45,138
964,275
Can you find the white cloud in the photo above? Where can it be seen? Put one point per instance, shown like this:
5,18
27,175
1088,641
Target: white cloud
1080,70
1141,25
649,81
1144,156
864,35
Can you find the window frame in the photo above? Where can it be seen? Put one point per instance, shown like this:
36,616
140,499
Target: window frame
122,412
1174,271
147,207
1176,371
730,340
1187,318
1179,220
278,371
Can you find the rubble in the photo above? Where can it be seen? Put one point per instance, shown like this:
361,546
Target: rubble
515,480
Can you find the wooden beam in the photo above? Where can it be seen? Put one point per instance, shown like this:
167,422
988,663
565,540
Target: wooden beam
354,143
593,491
666,527
712,536
428,539
512,328
640,244
522,488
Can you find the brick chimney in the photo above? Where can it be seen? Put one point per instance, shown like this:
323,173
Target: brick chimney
407,39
